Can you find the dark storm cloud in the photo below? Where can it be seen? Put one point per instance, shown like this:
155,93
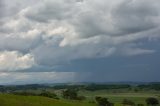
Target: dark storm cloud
135,16
7,9
50,35
51,10
2,9
128,17
74,30
18,44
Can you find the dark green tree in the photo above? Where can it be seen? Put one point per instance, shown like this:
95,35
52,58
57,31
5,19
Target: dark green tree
152,101
70,94
81,98
140,104
48,94
102,101
127,102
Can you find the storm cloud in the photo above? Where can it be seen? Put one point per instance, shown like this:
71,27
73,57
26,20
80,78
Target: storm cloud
55,34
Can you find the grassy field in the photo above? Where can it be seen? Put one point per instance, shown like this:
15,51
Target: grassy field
116,98
14,100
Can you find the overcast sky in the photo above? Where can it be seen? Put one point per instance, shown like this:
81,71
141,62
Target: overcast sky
48,41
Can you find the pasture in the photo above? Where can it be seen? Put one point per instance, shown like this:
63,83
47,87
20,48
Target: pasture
116,98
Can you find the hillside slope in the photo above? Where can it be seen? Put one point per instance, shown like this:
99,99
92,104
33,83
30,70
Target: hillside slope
14,100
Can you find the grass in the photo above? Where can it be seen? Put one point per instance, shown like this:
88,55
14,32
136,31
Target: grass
117,98
14,100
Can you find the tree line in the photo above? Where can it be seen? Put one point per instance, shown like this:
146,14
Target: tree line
90,87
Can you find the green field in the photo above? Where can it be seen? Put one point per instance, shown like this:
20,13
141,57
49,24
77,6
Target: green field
14,100
116,98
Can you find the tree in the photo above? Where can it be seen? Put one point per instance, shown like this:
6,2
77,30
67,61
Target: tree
70,94
49,95
140,104
81,98
152,101
102,101
128,102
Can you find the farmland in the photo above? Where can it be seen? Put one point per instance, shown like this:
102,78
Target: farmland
31,96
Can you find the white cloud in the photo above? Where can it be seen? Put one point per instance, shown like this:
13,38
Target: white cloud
13,61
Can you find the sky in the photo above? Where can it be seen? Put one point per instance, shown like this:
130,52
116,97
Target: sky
57,41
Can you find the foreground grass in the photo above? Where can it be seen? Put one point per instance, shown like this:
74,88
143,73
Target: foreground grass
116,98
15,100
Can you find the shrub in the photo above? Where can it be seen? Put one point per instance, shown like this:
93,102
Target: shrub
81,98
91,102
110,104
102,101
140,104
152,101
70,94
48,94
24,93
128,102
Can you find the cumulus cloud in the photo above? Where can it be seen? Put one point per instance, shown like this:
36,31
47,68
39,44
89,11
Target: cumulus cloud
13,61
57,32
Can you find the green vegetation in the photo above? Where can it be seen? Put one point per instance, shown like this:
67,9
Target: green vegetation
117,100
152,101
17,100
80,95
102,101
72,94
128,102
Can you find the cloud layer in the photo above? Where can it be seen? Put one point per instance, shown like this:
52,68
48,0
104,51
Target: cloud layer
51,33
